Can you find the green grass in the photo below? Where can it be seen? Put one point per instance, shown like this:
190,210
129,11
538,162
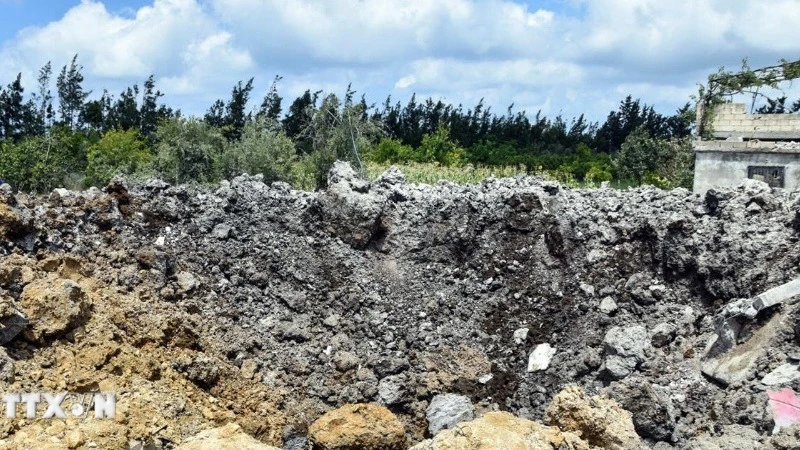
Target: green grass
430,173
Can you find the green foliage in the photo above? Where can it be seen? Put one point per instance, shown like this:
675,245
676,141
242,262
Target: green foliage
746,81
42,163
438,147
71,96
116,152
653,161
263,148
338,132
188,150
639,155
597,175
390,150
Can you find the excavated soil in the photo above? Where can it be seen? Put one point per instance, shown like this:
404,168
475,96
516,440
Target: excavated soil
268,307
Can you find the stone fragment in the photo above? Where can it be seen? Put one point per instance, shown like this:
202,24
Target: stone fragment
782,375
392,389
12,321
186,281
344,361
652,410
587,289
520,335
662,334
365,426
229,437
222,231
540,357
608,305
625,349
447,410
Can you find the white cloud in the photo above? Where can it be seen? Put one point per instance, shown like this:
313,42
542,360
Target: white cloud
582,59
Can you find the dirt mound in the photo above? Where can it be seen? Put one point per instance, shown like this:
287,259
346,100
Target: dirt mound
269,307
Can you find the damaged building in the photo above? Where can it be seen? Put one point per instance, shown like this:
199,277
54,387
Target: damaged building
764,147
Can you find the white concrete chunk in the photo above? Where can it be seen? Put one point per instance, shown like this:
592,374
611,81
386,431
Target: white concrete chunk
540,358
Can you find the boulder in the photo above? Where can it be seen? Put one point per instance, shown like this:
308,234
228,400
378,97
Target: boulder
366,426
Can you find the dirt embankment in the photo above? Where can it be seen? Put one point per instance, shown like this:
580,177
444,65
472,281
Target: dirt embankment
269,307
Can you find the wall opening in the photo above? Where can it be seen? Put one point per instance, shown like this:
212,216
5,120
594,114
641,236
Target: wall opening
772,175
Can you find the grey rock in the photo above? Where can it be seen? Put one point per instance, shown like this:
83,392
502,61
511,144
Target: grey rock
782,375
344,361
540,357
625,350
332,321
222,231
608,305
651,409
447,410
520,335
662,334
392,390
186,281
12,324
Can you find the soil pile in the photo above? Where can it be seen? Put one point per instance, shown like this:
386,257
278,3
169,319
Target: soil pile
268,307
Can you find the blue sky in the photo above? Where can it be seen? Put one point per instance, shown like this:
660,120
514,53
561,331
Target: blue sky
558,56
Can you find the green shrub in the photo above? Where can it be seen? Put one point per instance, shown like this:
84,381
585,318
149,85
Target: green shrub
116,152
43,163
263,148
438,147
188,150
390,150
597,175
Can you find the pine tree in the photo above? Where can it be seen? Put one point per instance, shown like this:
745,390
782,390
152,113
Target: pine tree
271,106
71,95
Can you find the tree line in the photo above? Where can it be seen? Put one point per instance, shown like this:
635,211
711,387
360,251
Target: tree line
66,138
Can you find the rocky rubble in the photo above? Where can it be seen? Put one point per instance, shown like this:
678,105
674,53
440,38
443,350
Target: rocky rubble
271,308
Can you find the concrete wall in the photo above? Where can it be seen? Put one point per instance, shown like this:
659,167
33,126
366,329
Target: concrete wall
732,120
729,169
